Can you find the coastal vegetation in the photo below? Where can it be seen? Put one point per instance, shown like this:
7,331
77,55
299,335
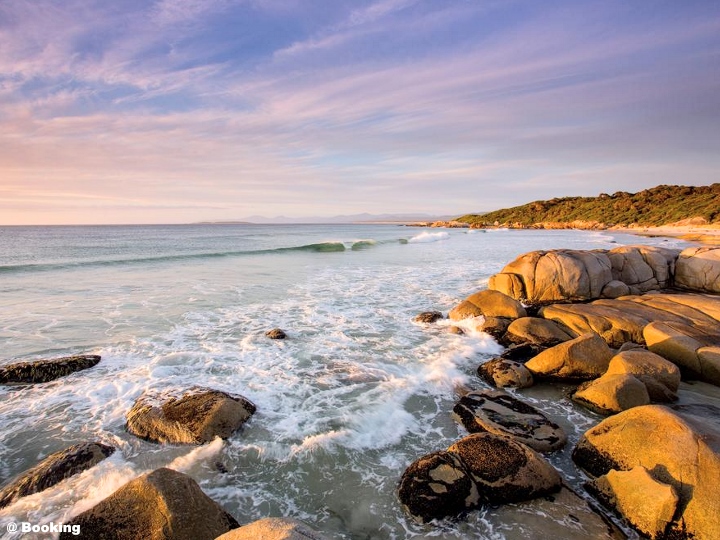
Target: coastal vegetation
658,206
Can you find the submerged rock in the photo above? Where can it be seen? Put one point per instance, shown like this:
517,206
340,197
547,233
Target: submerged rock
497,412
503,373
676,452
274,529
276,333
54,469
41,371
195,416
428,317
161,505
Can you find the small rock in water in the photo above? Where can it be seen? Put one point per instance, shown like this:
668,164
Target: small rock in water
54,469
276,333
41,371
428,317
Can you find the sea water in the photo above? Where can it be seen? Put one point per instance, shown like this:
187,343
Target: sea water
354,394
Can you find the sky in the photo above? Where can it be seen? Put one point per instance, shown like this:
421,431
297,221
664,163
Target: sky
178,111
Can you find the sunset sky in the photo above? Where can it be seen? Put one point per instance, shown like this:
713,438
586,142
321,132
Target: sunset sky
140,111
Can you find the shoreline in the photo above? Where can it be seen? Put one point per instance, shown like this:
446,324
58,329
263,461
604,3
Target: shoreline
707,234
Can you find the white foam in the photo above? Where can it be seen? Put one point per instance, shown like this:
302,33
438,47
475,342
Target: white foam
426,237
186,463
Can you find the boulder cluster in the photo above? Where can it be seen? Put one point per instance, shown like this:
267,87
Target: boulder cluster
623,328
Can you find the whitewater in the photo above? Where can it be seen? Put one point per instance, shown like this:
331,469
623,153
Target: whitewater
355,394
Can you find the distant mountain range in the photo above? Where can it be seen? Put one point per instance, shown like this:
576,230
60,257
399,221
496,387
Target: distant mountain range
352,218
655,207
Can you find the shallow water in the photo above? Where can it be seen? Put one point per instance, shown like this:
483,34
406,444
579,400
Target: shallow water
355,394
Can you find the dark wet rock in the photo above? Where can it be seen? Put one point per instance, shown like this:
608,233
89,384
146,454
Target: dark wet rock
683,453
495,326
497,412
648,505
505,470
274,529
482,468
54,469
436,486
612,393
276,333
161,505
503,373
41,371
522,352
583,358
195,416
428,317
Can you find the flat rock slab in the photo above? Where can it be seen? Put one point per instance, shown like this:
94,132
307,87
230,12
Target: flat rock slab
195,416
54,469
161,505
624,319
41,371
497,412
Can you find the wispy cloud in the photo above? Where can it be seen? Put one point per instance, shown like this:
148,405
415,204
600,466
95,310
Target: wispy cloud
166,104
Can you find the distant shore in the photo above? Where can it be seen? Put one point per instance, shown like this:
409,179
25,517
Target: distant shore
704,234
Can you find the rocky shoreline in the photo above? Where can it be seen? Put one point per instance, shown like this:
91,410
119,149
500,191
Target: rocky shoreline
622,328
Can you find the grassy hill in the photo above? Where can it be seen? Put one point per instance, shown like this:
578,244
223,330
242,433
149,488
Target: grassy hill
661,205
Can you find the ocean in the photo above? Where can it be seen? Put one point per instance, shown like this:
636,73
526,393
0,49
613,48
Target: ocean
355,394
